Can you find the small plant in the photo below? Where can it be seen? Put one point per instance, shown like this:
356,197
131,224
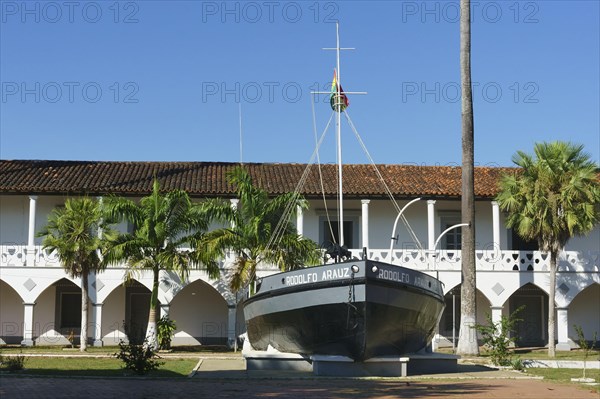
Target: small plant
498,337
583,344
135,333
71,338
166,327
138,358
13,363
517,364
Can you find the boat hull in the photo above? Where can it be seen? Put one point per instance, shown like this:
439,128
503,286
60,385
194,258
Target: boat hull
377,311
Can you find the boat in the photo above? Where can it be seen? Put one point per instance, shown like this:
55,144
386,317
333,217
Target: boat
360,309
356,308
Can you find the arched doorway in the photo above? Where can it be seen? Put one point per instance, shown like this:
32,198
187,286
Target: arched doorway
201,315
137,308
532,330
57,314
125,313
450,321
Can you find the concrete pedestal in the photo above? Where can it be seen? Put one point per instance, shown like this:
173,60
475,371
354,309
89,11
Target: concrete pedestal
341,366
432,363
263,360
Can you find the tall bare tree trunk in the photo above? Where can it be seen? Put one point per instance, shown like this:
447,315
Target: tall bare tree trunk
84,312
551,305
467,338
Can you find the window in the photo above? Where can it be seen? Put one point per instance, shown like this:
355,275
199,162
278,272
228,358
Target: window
350,232
519,244
67,305
452,239
70,310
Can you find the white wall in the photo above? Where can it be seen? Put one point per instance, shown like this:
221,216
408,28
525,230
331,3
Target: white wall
11,314
113,315
382,215
44,332
590,242
584,311
14,216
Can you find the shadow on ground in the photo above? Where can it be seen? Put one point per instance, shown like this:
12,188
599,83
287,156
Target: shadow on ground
236,369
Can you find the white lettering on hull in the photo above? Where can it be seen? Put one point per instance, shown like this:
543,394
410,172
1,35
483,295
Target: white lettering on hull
327,275
393,275
334,274
301,279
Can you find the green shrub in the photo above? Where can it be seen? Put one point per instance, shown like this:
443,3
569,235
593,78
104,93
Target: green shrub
138,358
517,364
13,363
498,337
166,327
584,345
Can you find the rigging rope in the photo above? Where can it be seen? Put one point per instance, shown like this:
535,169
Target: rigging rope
387,189
321,174
279,230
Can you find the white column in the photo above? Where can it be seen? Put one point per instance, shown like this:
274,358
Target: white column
97,317
234,205
435,342
365,222
496,225
232,326
496,314
430,224
100,200
300,220
562,324
30,251
28,324
165,309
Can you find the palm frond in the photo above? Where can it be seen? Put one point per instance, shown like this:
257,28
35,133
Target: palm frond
555,196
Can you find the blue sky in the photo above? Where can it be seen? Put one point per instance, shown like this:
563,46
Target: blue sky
162,80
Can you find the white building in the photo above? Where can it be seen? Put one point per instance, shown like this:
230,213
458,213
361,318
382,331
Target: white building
40,304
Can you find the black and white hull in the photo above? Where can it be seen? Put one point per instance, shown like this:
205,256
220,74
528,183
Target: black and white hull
360,309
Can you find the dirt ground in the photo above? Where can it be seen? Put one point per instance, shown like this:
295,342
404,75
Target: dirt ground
227,377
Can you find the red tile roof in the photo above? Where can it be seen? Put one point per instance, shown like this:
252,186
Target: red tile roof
202,179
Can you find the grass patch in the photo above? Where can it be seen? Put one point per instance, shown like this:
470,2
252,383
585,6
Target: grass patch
111,350
101,367
565,375
60,350
540,354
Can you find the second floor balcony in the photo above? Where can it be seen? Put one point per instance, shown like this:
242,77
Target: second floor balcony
15,255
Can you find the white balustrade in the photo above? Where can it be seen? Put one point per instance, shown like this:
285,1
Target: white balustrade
14,255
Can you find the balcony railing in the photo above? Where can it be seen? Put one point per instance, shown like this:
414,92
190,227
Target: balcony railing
522,261
487,260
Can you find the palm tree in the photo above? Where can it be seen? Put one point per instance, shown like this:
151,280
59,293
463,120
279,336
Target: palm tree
468,305
257,232
72,231
164,223
553,197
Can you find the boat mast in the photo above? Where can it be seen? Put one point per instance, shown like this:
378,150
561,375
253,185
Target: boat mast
338,126
339,106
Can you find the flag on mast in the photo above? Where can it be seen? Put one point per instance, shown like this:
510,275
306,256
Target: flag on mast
338,100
